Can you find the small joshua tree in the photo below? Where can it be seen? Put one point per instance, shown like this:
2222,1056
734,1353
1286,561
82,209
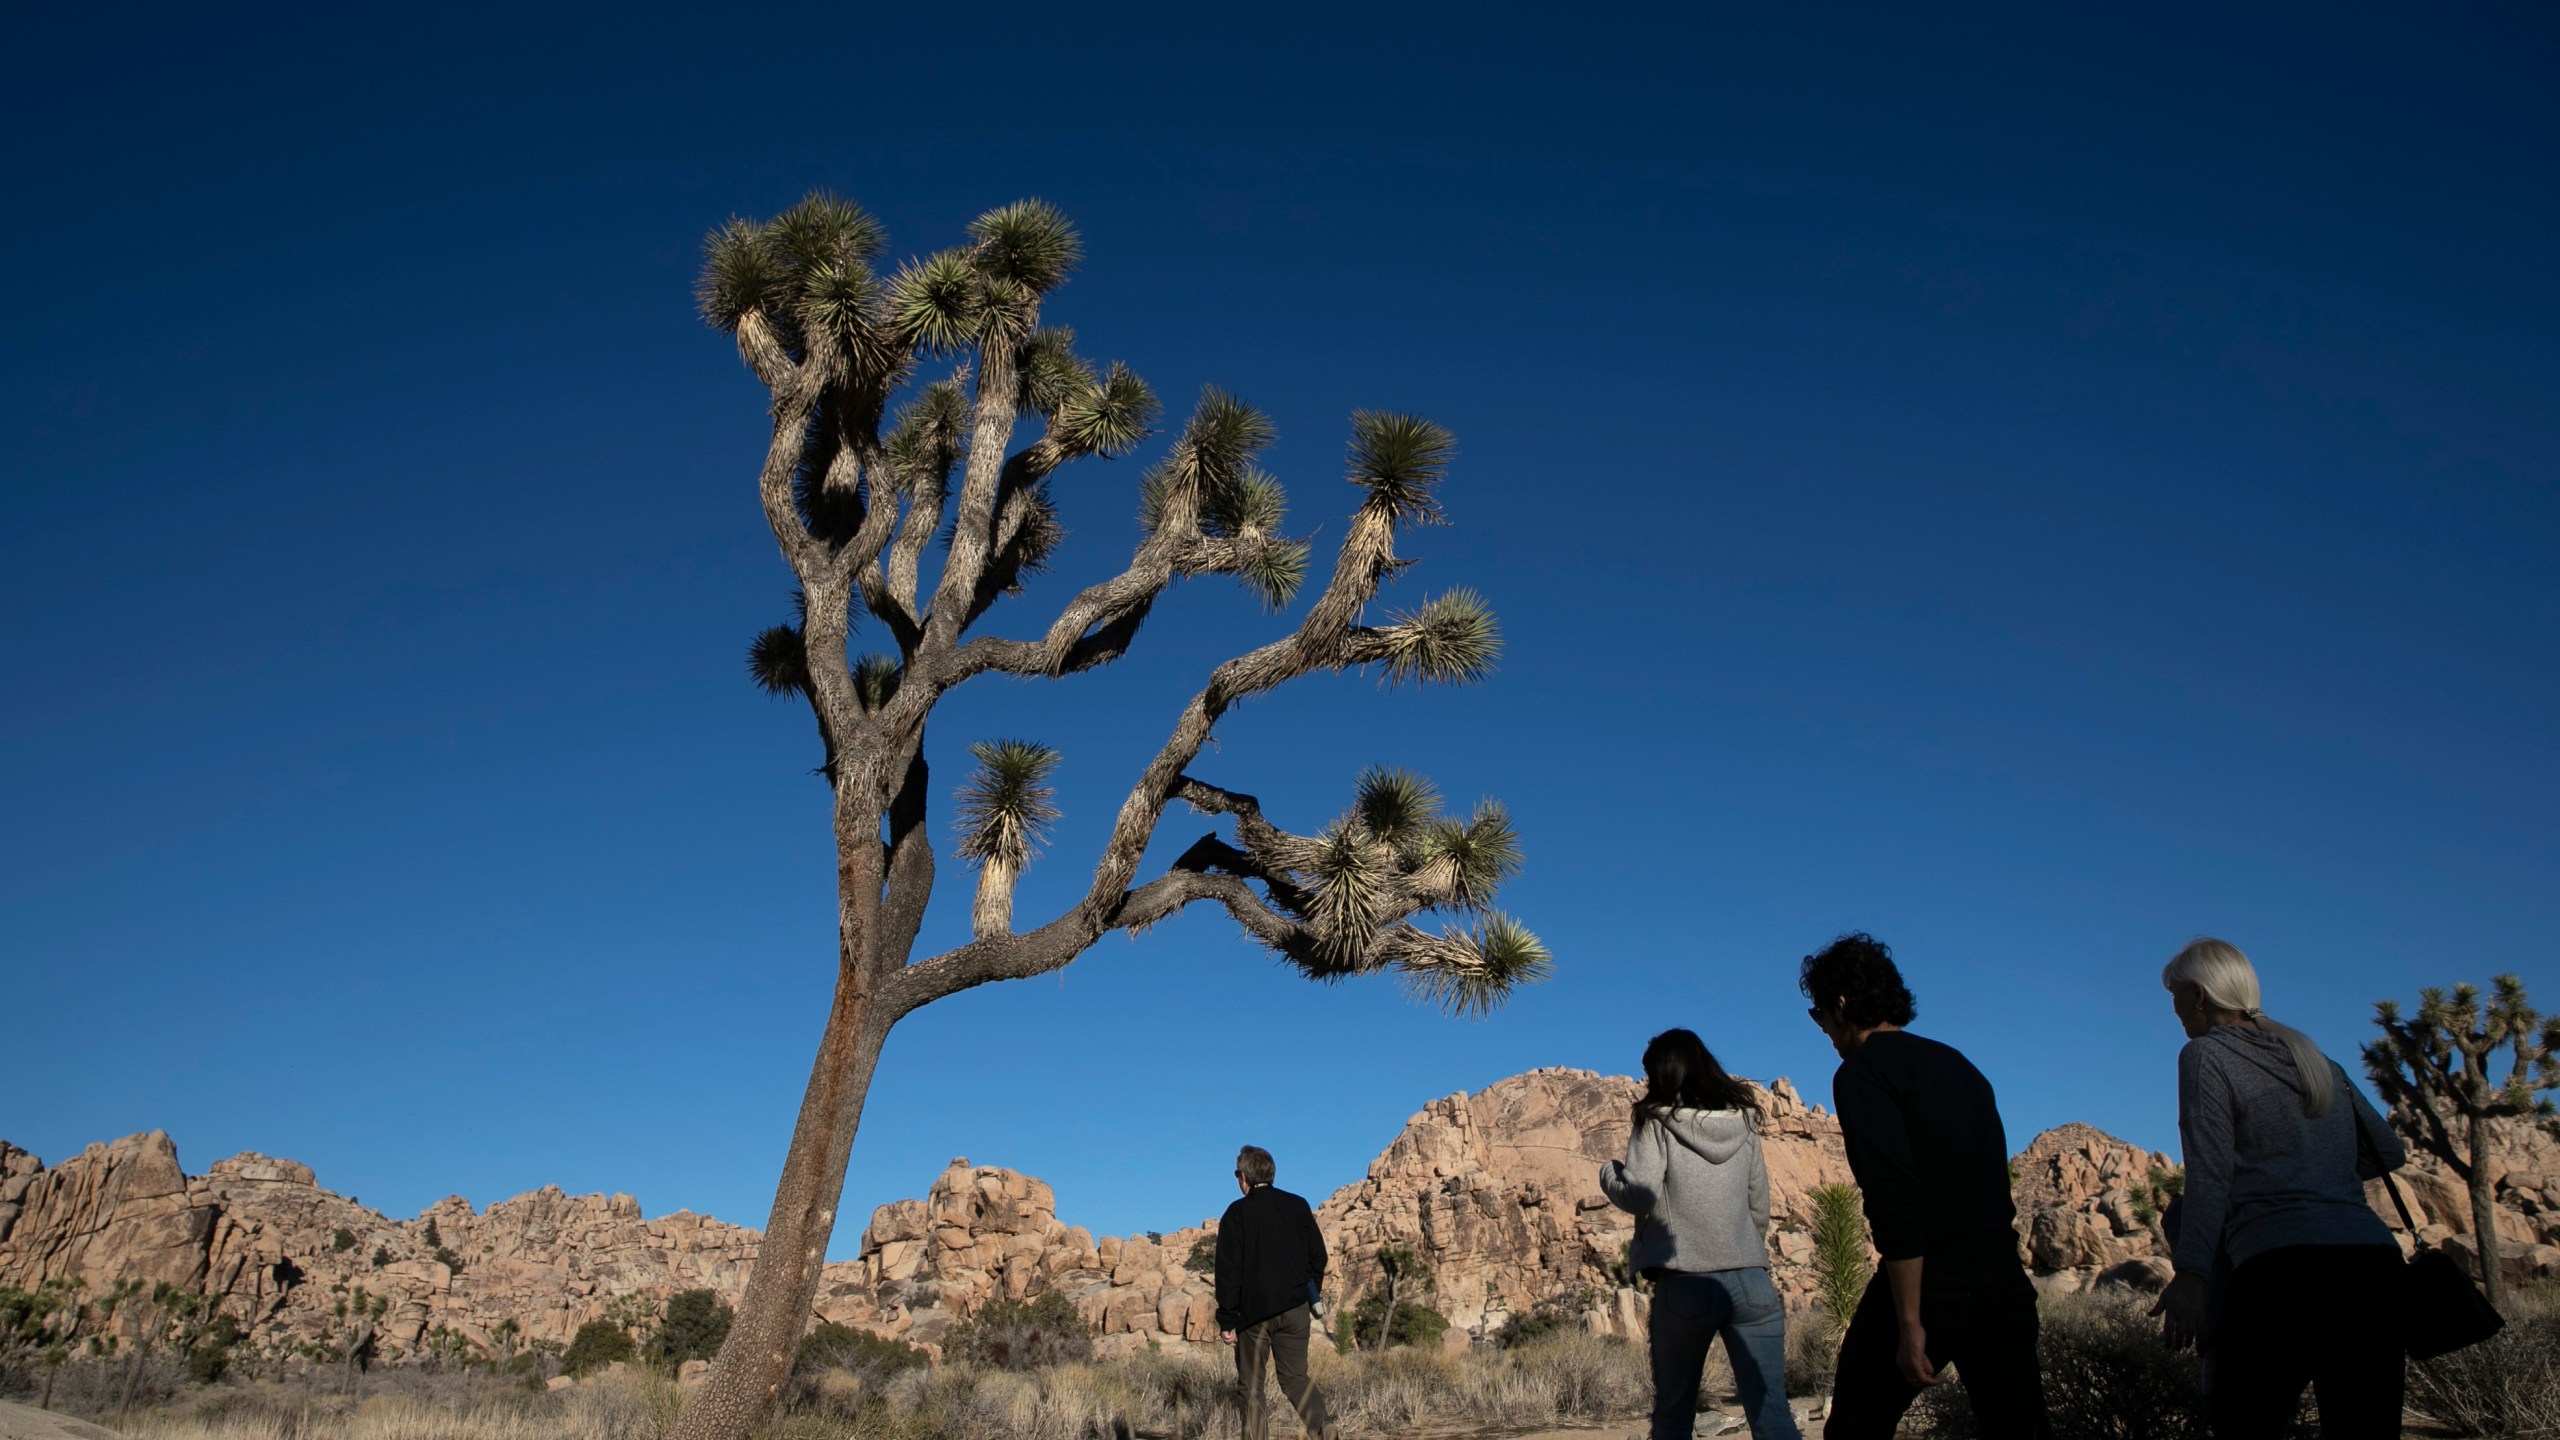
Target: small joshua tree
2435,1067
869,469
1390,1306
1841,1266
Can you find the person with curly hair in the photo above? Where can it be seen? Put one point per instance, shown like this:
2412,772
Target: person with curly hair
1932,1162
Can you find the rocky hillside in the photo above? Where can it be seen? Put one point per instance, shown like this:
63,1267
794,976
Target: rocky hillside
1496,1189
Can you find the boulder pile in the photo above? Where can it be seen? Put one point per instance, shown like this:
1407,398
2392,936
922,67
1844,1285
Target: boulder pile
1495,1190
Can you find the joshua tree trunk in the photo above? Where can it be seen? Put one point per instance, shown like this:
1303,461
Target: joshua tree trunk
854,509
742,1389
2482,1182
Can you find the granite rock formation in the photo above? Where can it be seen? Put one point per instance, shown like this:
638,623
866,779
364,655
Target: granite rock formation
1496,1189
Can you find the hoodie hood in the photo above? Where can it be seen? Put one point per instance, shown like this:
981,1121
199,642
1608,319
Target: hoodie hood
1714,1135
2256,1048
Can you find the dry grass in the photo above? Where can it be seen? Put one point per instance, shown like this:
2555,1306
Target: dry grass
1566,1380
2508,1385
627,1407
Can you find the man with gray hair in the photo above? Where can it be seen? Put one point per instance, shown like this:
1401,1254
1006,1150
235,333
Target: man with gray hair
1270,1269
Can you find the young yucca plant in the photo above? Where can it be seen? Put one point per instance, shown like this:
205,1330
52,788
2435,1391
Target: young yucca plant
874,471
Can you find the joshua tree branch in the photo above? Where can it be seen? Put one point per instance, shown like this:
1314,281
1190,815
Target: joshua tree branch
1022,657
773,484
972,537
925,498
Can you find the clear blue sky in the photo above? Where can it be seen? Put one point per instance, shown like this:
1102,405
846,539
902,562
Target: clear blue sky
2034,487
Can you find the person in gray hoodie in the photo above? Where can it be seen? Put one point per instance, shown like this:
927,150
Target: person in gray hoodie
1698,1185
2285,1276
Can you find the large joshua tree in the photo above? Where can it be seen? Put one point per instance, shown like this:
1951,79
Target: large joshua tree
2436,1067
871,468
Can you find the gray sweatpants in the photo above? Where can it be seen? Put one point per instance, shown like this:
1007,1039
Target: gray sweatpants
1282,1341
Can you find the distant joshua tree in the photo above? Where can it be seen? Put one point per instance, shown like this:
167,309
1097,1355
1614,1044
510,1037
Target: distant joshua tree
865,474
2435,1067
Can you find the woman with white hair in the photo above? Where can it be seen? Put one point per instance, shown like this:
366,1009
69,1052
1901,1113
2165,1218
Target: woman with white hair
2285,1276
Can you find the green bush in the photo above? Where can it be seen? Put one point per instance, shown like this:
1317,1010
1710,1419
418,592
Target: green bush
1022,1335
1203,1259
343,1241
696,1324
829,1346
1416,1324
1556,1315
597,1344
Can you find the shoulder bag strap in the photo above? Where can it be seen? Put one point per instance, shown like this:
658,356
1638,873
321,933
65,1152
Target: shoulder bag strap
2364,1147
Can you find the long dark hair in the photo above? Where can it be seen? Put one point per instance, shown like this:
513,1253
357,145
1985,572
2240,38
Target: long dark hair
1680,1073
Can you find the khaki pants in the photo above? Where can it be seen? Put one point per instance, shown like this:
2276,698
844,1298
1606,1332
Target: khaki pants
1282,1340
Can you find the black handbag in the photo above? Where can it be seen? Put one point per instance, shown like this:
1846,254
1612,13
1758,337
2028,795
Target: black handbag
2441,1310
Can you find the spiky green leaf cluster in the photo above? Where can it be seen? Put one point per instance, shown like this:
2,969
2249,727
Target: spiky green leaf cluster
1029,244
935,303
875,680
1250,506
1471,970
1274,571
1396,806
1109,417
1005,809
778,661
1214,452
926,440
807,274
1034,538
1394,853
1467,863
988,292
1353,878
741,272
1049,372
1452,640
1400,460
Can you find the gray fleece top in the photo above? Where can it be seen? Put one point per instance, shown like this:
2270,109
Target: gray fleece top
1699,1188
2260,1174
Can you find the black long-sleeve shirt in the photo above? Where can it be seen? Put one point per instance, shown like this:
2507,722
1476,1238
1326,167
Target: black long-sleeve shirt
1925,1142
1269,1252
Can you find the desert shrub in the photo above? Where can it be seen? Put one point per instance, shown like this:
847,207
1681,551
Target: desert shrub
2508,1385
597,1344
1032,1334
343,1241
1581,1377
1203,1259
2107,1376
1812,1354
2107,1373
1415,1324
696,1324
1555,1315
381,1256
208,1358
829,1346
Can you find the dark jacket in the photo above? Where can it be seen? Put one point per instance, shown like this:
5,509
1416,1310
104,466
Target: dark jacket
1925,1141
2260,1174
1269,1254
